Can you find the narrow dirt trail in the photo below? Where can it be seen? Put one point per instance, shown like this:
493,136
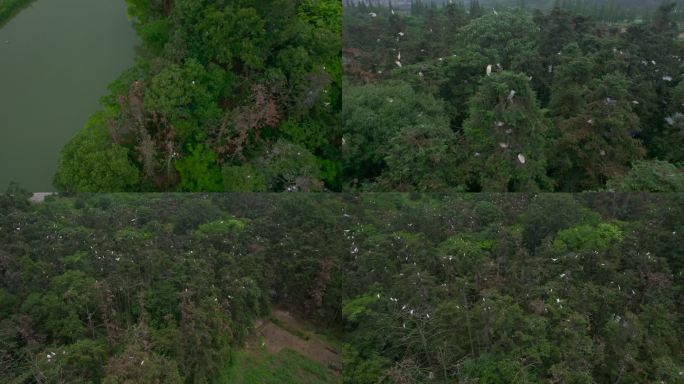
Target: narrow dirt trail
276,337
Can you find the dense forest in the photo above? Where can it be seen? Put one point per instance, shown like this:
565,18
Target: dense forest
165,288
470,98
226,96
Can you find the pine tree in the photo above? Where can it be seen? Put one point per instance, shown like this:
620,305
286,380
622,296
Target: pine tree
505,135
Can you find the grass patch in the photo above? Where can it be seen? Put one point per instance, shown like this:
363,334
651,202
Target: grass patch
288,328
286,367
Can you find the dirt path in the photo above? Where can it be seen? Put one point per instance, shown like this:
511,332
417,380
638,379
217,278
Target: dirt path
307,343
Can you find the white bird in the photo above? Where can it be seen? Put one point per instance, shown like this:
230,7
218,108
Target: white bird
399,56
550,68
667,78
503,145
401,33
392,11
420,74
521,158
489,69
510,96
495,12
398,63
372,14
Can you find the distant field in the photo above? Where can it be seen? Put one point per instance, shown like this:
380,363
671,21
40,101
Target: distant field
9,7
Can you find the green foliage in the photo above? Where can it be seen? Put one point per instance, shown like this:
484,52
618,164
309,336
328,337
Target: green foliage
373,115
216,82
199,171
355,308
651,176
419,287
420,158
505,38
362,370
90,163
596,90
286,367
244,178
288,166
220,228
9,8
598,237
505,134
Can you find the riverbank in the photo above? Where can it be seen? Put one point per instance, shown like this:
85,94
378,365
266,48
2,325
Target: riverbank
9,8
56,60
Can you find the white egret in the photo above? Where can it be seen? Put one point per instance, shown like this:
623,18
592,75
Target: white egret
510,96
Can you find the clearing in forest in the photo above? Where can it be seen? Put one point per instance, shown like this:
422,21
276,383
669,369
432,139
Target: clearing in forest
284,351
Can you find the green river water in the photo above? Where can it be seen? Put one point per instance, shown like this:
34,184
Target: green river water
56,59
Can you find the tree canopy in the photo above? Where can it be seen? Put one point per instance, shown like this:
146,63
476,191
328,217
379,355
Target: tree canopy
495,288
219,85
537,96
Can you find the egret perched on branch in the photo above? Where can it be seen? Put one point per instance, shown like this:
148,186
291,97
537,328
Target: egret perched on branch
489,69
510,96
521,158
372,14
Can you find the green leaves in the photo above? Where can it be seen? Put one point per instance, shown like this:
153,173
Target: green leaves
90,162
199,171
354,309
586,237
